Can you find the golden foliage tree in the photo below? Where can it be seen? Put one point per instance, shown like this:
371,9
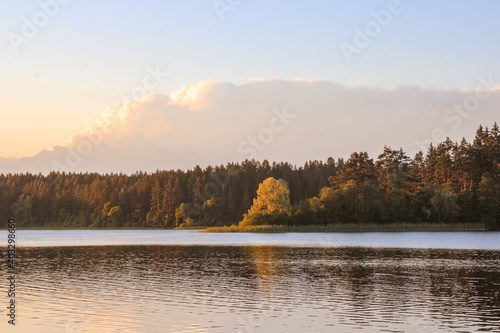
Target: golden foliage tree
272,201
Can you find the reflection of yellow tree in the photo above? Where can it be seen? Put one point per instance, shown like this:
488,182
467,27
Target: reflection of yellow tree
264,260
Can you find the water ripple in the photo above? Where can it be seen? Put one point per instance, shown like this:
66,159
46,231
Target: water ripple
257,289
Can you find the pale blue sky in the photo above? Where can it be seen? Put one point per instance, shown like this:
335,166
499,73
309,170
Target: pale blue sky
93,51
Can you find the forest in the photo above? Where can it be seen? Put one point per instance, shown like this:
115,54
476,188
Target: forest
450,183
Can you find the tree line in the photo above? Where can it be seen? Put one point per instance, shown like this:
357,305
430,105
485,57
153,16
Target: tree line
451,182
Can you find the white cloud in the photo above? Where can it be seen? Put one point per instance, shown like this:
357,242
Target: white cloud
205,122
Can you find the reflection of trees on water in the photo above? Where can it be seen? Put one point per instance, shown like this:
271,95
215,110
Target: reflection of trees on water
359,284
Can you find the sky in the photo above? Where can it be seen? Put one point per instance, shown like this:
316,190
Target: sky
69,66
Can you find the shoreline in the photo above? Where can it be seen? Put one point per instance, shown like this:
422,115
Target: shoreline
334,228
350,228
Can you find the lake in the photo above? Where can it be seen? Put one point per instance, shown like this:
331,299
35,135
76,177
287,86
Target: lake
183,281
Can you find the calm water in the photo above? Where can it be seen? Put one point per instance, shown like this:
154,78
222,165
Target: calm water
309,283
444,240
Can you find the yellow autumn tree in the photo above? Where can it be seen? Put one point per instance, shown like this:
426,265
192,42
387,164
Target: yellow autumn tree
272,204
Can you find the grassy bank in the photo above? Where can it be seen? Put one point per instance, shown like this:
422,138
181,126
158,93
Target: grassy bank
399,227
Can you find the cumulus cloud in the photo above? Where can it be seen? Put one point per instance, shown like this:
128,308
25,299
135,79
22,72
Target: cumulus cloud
211,122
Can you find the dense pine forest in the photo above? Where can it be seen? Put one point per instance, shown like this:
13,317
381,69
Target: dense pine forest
451,182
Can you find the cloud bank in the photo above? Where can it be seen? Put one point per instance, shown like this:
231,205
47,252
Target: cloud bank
212,123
